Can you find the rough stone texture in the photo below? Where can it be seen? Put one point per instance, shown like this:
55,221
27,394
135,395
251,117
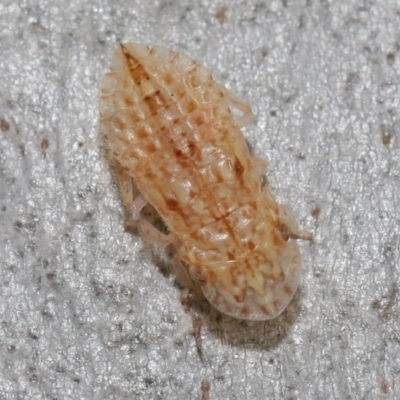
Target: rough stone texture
89,311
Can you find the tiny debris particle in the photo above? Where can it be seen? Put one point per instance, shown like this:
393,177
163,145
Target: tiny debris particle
386,138
205,390
222,15
196,322
11,348
169,130
4,125
50,276
384,386
390,58
44,144
315,212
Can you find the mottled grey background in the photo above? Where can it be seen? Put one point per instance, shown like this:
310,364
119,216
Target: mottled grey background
89,311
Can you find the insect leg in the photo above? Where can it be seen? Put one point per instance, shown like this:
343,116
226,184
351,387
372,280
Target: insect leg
260,165
128,190
155,236
183,275
137,205
287,217
245,119
248,117
235,102
125,185
182,272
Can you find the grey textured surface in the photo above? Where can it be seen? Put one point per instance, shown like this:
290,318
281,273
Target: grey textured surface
88,311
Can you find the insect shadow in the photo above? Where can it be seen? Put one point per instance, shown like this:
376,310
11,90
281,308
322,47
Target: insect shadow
247,334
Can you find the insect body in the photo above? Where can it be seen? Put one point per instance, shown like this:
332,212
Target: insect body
168,127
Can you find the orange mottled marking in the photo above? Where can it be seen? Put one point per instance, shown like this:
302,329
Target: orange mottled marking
172,204
155,101
238,168
288,290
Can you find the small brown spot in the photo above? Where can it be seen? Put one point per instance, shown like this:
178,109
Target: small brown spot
386,138
230,255
221,15
128,101
205,390
195,235
172,204
245,311
199,120
178,344
178,153
4,125
191,106
238,168
263,52
251,246
390,58
168,78
151,148
50,276
265,310
288,290
176,121
239,297
284,231
384,386
141,133
315,212
45,144
212,277
253,205
192,148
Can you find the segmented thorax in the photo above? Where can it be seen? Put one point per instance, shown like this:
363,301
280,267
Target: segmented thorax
169,125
